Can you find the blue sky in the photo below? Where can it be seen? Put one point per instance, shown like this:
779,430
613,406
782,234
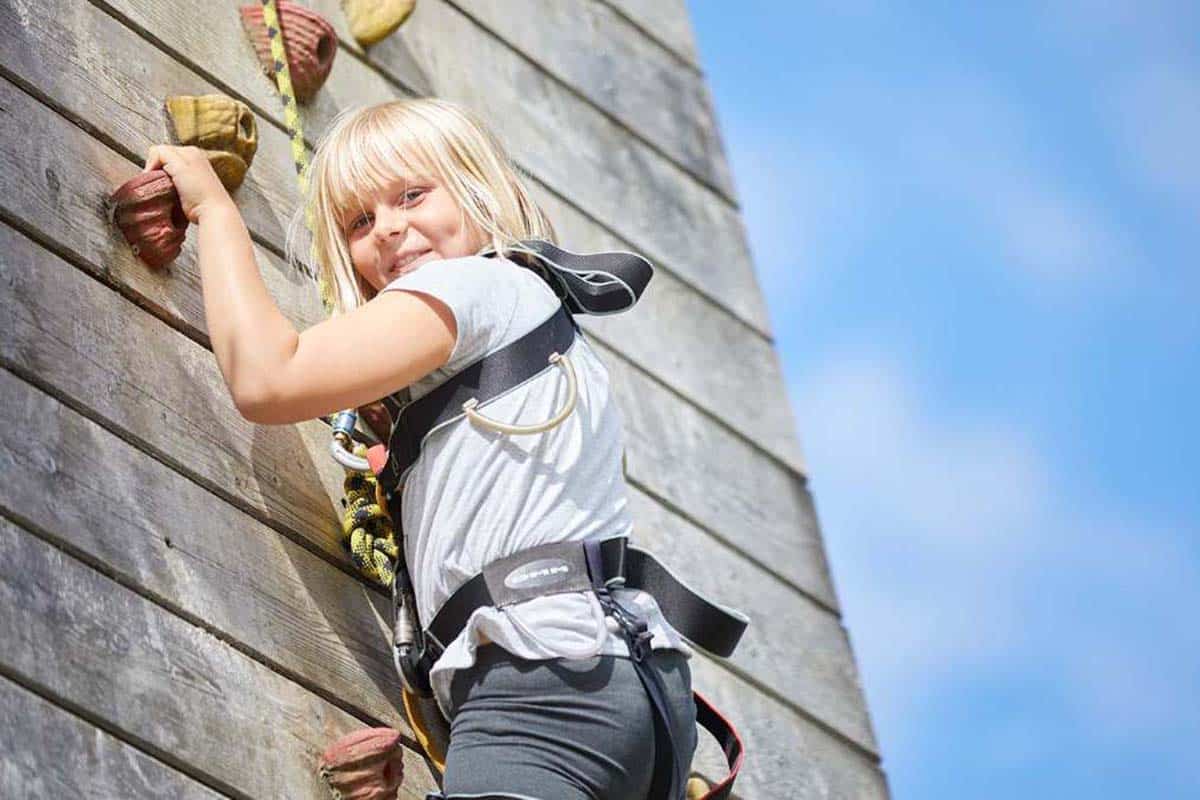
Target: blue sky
976,227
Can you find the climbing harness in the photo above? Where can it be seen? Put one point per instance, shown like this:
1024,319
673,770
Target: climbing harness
601,283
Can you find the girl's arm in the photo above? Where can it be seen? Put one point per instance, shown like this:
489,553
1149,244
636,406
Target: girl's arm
274,374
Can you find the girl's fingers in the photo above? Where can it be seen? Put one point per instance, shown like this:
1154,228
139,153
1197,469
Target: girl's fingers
156,157
151,159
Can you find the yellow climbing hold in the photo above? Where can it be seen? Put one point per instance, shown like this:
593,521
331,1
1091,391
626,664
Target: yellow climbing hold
374,20
221,125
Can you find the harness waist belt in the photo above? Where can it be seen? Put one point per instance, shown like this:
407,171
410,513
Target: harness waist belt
603,566
563,567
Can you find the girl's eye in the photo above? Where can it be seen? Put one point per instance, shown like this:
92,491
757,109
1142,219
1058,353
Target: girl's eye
356,224
412,195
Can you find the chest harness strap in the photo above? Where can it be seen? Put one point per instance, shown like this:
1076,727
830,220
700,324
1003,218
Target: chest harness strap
602,283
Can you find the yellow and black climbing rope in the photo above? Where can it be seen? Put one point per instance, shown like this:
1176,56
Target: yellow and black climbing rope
366,533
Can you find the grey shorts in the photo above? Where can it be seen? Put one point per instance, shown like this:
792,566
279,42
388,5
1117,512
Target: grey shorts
561,729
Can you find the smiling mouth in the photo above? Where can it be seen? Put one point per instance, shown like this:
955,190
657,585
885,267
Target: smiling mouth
405,263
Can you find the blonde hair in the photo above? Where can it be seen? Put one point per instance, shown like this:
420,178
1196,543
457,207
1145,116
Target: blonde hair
366,148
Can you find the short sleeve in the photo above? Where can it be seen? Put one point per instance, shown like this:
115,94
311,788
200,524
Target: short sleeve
493,301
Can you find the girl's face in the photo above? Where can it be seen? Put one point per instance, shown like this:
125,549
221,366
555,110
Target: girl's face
413,222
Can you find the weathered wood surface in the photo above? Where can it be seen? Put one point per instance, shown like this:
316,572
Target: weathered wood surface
175,689
604,57
803,653
794,647
111,81
126,367
73,334
134,518
786,756
225,569
698,449
562,140
46,752
663,21
721,483
105,74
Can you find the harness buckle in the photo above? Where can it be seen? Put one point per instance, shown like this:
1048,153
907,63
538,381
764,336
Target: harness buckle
634,628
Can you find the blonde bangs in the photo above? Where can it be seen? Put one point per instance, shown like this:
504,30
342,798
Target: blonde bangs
364,163
367,149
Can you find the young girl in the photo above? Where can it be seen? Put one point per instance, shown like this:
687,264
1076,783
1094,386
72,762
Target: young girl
543,699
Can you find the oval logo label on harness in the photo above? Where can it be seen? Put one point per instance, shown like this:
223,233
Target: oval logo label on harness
543,572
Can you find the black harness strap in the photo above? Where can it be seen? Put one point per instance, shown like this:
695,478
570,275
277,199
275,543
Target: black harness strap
591,283
560,567
485,380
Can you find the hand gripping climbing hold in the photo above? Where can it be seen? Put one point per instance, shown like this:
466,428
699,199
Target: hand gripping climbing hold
364,765
374,20
310,40
222,126
147,210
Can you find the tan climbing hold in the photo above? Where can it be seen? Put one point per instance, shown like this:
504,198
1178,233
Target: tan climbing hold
221,125
372,21
310,41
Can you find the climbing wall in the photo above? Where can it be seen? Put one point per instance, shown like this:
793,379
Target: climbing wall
177,616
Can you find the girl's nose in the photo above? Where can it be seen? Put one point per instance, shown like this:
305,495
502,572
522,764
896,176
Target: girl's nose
389,221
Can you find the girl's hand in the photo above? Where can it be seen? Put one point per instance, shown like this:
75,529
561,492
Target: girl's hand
198,186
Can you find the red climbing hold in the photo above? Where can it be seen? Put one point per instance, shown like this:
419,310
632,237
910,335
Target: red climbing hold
310,41
364,765
148,212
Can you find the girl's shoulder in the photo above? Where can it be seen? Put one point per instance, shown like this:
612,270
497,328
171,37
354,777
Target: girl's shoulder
489,280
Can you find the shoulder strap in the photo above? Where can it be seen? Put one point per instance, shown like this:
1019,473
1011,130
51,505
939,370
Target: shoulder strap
486,379
587,283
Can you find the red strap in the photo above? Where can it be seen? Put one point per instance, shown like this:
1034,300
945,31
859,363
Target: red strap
731,743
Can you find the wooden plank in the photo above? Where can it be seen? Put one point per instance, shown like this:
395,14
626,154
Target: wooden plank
133,517
604,170
606,58
664,21
786,755
763,521
48,752
100,72
175,689
793,646
720,482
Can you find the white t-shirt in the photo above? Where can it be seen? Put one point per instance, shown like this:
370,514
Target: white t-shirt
475,495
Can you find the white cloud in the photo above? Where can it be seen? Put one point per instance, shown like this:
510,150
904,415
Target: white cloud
1156,114
983,154
960,560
